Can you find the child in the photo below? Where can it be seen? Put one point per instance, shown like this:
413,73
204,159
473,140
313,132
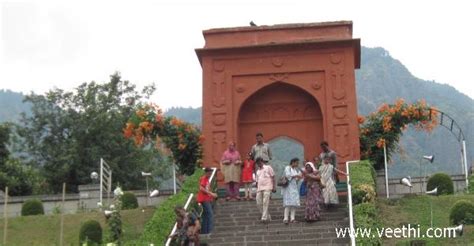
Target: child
326,171
247,176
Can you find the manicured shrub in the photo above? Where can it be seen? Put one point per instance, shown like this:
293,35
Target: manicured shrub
32,207
462,213
366,216
90,233
129,201
363,182
443,182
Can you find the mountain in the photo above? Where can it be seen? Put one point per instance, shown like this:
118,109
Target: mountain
11,105
381,79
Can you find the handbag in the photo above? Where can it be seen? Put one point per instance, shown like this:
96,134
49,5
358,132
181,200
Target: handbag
303,189
283,182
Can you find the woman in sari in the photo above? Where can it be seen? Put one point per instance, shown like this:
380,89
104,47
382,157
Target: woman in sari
231,168
291,196
314,198
327,171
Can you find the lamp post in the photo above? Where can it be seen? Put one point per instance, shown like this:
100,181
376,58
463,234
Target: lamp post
146,175
433,192
386,171
430,158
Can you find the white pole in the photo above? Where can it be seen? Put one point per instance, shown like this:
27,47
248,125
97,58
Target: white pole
465,162
386,170
101,182
349,198
147,192
5,217
174,179
61,232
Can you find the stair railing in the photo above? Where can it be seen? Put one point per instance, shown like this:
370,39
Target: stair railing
349,201
190,202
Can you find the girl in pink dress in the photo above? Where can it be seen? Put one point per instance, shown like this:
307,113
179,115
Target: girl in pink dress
248,170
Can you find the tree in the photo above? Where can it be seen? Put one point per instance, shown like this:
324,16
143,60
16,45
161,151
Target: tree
68,132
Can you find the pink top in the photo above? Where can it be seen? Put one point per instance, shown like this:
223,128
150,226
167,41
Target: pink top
264,178
231,156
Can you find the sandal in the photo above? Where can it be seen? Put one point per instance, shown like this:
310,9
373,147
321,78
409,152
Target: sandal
285,222
293,221
227,198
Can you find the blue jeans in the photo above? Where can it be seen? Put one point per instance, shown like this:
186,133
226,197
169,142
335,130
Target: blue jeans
207,218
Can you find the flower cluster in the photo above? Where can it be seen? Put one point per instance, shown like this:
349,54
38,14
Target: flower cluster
182,139
386,125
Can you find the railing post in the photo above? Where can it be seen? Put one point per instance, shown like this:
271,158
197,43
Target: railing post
349,201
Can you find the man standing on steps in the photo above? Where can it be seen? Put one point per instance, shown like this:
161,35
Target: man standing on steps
261,149
331,154
265,186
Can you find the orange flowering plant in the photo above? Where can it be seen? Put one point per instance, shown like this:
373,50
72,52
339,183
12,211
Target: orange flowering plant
386,125
148,124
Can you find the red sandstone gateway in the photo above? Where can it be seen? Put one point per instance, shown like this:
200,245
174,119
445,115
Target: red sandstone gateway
294,80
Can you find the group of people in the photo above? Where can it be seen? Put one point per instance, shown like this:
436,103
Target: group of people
316,182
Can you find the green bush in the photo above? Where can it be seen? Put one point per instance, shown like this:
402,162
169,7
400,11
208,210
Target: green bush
462,213
32,207
443,182
129,201
366,216
471,184
90,233
363,182
159,226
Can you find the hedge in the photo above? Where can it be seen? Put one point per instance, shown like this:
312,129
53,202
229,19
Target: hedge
441,181
462,213
158,228
363,195
32,207
363,182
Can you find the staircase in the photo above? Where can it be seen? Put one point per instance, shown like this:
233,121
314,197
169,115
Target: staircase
238,223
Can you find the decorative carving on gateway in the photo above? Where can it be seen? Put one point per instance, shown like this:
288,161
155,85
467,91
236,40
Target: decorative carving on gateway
341,132
318,80
219,86
278,112
218,119
277,62
340,111
278,77
338,91
218,141
240,87
336,58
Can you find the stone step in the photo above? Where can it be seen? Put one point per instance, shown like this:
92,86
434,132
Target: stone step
275,219
296,239
289,230
275,226
274,212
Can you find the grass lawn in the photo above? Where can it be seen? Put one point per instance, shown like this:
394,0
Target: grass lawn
415,210
44,230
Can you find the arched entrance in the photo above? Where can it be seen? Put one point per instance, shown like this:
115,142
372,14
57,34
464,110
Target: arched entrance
277,110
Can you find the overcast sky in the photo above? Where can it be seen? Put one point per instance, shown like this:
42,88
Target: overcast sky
56,44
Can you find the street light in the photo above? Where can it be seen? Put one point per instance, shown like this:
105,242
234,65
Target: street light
433,192
146,175
430,158
406,182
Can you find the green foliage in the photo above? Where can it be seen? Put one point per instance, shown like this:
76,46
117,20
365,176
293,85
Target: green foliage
462,213
32,207
443,182
129,201
91,233
386,125
362,177
12,106
471,184
69,131
158,228
366,216
363,182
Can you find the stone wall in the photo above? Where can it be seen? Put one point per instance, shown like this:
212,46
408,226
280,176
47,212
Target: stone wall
396,189
84,201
